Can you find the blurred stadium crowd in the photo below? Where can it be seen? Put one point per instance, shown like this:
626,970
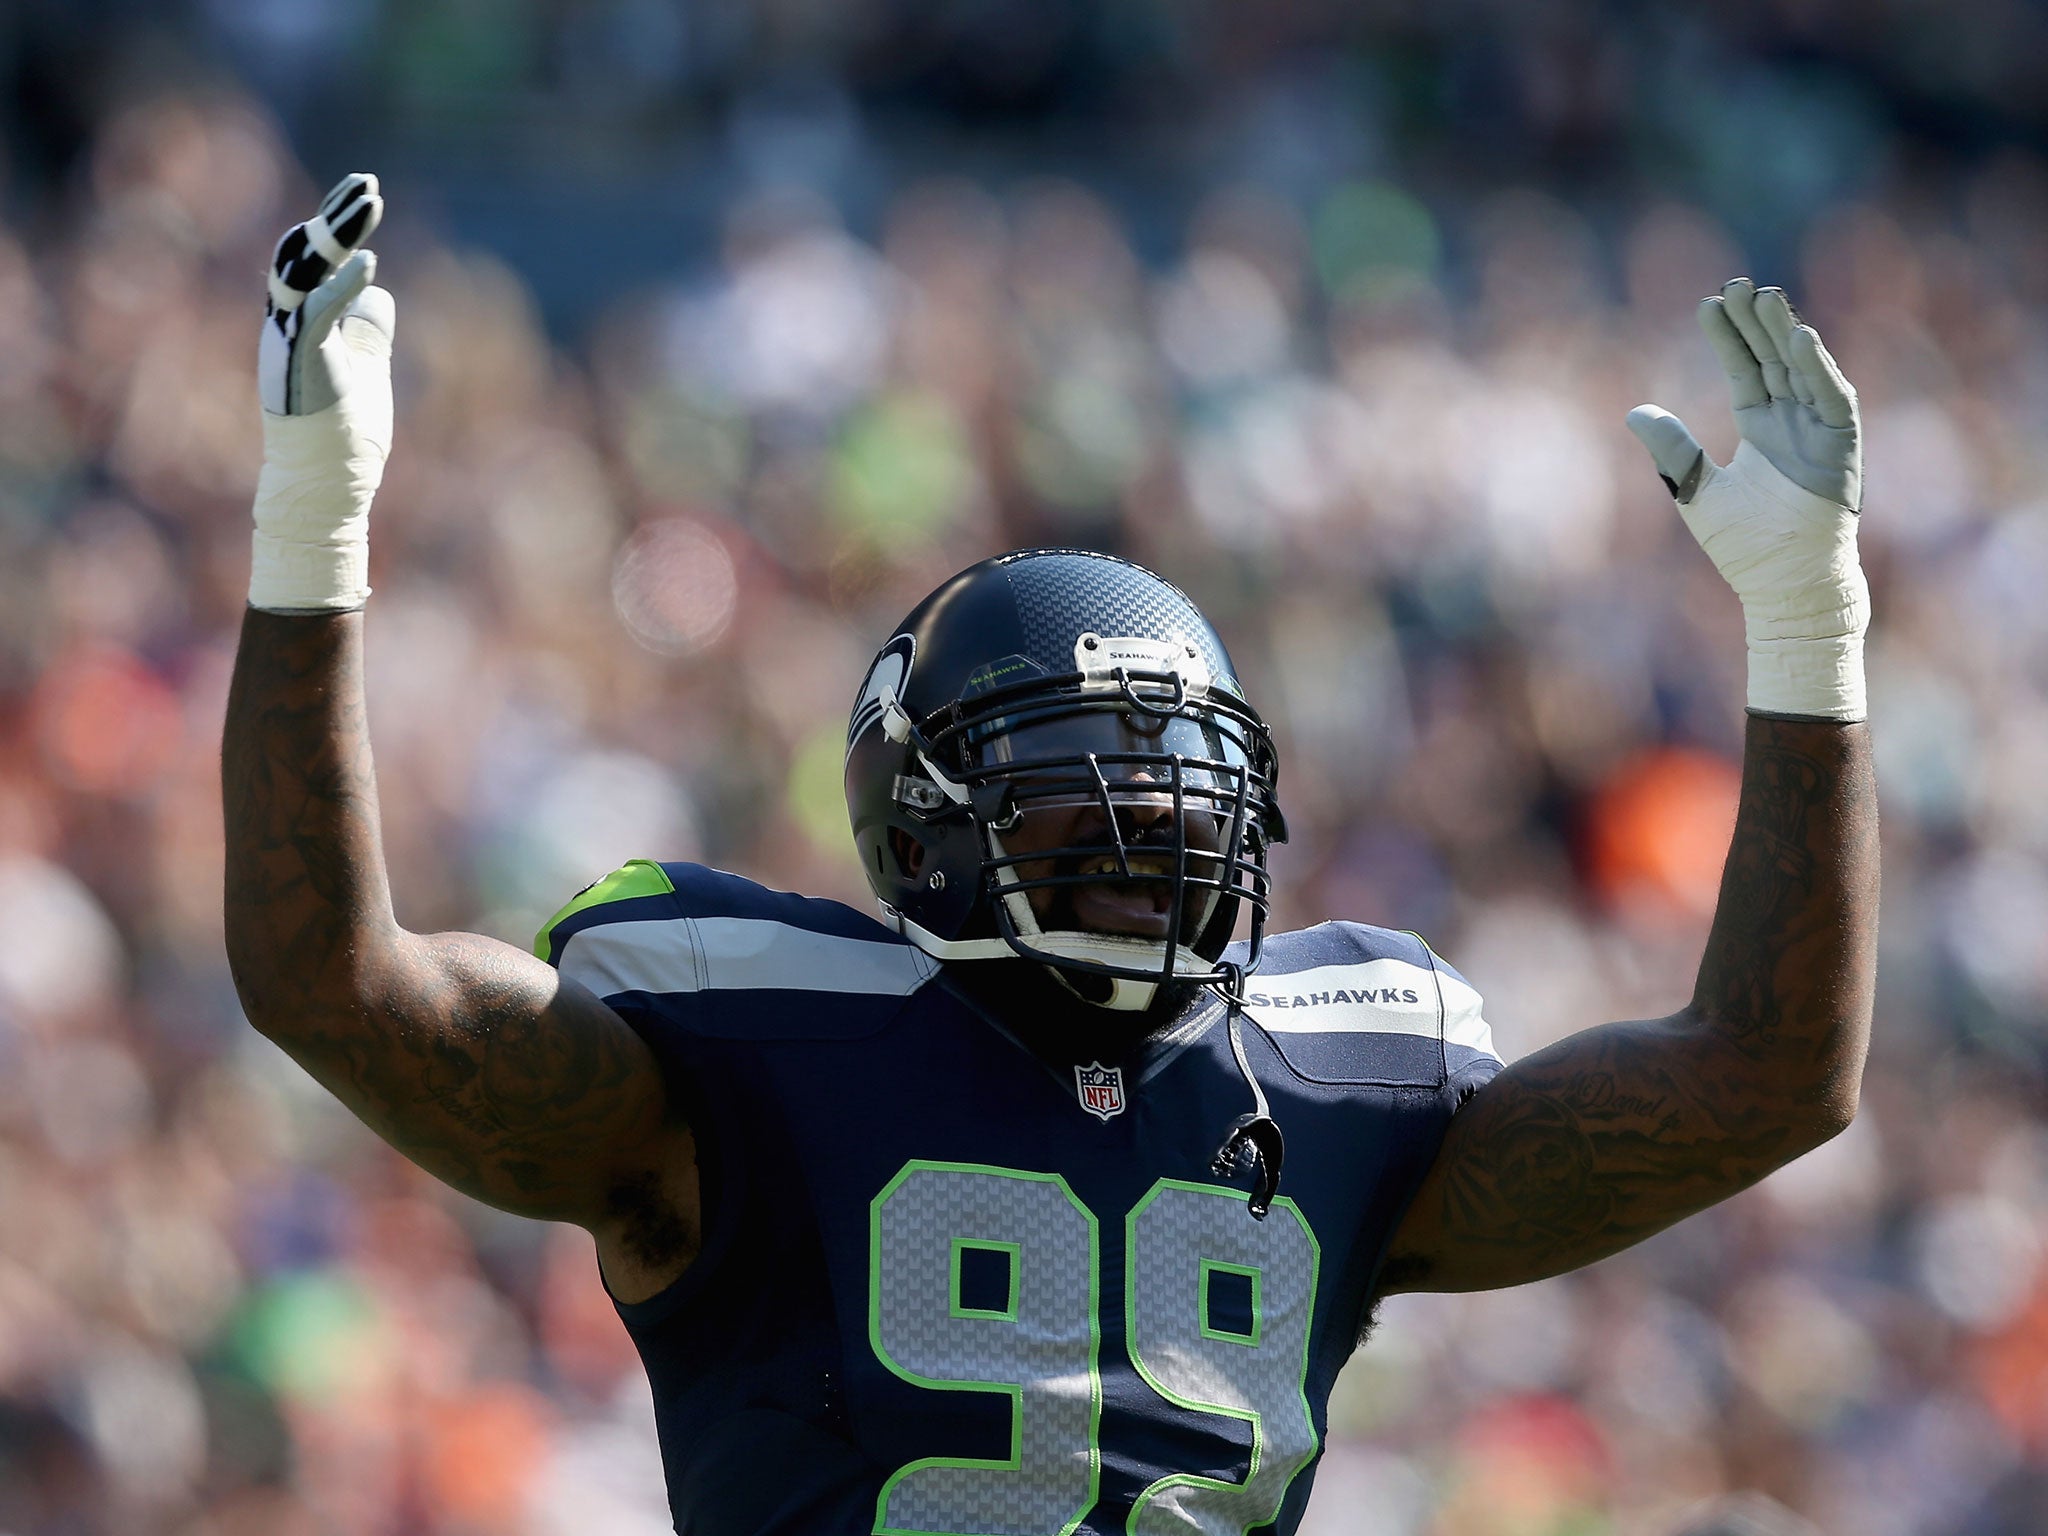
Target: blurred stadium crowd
1362,403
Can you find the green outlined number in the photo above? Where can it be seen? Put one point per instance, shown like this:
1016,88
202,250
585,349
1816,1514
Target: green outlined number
1042,1349
1178,1238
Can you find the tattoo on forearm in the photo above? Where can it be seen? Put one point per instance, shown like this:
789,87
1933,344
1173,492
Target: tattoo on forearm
304,868
1766,891
1613,1133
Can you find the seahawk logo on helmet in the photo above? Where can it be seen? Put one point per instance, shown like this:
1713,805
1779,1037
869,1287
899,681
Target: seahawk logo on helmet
882,686
1052,758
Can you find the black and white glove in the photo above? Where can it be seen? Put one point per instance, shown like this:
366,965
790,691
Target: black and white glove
323,372
1779,520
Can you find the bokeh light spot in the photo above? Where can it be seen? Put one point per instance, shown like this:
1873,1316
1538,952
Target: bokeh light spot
1659,828
484,1451
314,1336
1370,235
901,471
675,587
816,793
106,723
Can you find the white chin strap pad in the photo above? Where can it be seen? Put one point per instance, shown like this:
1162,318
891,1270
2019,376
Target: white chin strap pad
1125,994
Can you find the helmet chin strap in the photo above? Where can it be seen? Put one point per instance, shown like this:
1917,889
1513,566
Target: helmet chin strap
1125,995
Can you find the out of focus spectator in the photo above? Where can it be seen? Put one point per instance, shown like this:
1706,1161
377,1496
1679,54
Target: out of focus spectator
1345,353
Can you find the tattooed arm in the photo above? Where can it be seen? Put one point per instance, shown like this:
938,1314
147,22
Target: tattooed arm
477,1061
474,1059
1616,1132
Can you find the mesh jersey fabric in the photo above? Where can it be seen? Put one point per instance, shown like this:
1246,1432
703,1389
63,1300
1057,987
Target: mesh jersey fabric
873,1136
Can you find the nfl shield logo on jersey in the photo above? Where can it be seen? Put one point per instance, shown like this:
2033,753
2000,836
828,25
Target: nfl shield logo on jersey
1101,1089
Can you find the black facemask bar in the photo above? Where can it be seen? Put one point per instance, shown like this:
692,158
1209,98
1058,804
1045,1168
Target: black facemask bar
1229,785
1224,873
1201,810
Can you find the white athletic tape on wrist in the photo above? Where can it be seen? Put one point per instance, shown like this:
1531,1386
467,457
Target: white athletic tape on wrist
1819,678
320,473
1791,557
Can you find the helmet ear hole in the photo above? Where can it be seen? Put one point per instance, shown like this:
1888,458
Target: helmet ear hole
908,852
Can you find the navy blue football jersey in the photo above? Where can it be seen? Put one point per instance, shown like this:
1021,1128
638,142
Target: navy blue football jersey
952,1283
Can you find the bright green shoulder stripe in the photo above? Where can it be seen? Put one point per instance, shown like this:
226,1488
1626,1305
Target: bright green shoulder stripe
636,877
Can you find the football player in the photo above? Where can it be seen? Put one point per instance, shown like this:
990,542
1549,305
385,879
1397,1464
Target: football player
1039,1203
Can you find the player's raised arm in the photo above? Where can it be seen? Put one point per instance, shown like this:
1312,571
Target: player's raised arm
1613,1133
476,1060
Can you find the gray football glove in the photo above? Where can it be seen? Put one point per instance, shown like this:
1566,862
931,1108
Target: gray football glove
1779,519
319,274
1791,401
324,375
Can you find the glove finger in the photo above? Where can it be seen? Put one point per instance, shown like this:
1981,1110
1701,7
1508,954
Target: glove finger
352,209
308,253
1745,378
1834,398
1681,462
1774,310
1739,295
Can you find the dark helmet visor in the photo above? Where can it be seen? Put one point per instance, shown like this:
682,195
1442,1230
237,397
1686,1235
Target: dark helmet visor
1043,754
1175,784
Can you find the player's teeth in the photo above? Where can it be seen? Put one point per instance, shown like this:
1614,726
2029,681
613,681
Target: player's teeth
1142,864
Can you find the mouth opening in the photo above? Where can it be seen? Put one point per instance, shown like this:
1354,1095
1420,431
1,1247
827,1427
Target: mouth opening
1115,834
1102,899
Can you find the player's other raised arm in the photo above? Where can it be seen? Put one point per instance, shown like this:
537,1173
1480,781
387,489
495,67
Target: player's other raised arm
473,1058
1616,1132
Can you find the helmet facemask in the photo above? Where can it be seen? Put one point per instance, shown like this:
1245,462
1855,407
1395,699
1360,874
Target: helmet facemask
1122,815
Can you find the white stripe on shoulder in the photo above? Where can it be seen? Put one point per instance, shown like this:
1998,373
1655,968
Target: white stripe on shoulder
1368,997
709,954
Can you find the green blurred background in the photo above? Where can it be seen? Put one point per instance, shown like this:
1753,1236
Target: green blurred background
727,330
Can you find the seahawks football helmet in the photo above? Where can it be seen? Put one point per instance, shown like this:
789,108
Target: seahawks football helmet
1052,758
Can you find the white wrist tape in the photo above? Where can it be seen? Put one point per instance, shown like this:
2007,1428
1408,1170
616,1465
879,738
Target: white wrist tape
1791,557
1822,678
320,473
